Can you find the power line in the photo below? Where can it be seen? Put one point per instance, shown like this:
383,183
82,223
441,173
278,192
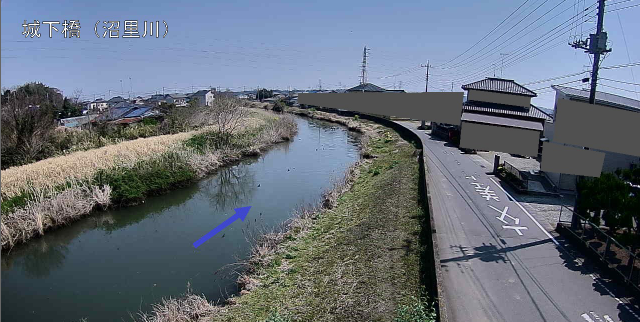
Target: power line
504,33
627,7
530,45
487,35
553,78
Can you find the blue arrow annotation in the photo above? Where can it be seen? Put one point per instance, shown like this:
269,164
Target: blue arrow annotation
241,213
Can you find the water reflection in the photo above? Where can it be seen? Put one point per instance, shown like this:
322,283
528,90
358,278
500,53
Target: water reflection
230,187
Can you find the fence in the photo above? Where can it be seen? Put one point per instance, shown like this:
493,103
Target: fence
615,255
508,167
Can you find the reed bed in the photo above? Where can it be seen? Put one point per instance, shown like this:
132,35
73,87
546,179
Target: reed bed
63,189
53,172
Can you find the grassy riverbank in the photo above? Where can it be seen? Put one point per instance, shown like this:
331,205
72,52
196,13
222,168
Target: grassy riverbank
53,192
356,257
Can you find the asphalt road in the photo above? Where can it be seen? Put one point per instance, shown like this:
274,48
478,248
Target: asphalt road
498,263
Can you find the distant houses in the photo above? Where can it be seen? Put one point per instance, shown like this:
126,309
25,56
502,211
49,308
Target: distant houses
203,97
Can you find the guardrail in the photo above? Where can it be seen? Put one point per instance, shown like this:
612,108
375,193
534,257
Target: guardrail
616,256
517,173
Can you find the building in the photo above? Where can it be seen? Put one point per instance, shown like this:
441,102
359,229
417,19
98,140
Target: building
366,87
612,160
203,97
156,99
498,102
78,121
98,105
115,100
177,99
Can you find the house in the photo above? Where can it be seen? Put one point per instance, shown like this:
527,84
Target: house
499,102
366,87
204,97
156,99
78,121
115,100
98,105
612,160
177,99
138,100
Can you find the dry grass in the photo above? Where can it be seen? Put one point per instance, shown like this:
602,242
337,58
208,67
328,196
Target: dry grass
191,307
82,165
47,211
49,206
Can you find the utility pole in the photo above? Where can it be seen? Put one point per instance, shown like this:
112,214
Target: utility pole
426,89
121,90
595,45
452,86
363,76
130,88
162,90
319,85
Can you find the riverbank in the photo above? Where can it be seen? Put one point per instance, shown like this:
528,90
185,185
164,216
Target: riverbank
53,192
355,257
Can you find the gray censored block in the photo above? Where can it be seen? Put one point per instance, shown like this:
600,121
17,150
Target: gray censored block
571,160
499,138
598,127
436,107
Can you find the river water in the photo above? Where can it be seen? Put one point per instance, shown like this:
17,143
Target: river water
118,262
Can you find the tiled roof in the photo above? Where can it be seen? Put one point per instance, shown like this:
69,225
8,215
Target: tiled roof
601,98
366,87
498,109
500,85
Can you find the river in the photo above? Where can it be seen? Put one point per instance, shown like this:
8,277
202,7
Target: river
118,262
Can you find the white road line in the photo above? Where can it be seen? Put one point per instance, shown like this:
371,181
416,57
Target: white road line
587,317
526,212
607,318
556,242
617,299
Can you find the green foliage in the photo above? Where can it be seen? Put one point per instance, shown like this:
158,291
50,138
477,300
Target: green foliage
264,93
10,204
356,117
417,310
279,106
609,198
149,121
276,317
149,177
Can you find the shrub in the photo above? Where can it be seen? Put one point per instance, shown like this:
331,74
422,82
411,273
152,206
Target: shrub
418,310
356,117
279,106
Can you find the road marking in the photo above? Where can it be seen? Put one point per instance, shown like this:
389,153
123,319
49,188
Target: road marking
617,299
587,317
516,228
607,318
595,316
526,212
503,213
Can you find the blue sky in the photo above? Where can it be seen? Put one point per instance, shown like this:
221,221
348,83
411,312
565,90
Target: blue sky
276,44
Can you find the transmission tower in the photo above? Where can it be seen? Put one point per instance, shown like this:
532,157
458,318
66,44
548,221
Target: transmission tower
363,73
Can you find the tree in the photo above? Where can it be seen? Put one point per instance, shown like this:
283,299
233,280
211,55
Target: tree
28,115
264,93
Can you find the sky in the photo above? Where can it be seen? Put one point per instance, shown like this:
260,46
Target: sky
307,44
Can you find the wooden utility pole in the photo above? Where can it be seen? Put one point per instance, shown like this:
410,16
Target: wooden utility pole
426,89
